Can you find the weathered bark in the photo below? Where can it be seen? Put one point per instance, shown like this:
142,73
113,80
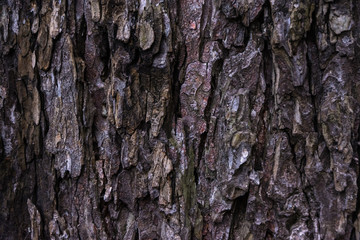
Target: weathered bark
125,119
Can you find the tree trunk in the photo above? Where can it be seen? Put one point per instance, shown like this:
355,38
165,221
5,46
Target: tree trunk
125,119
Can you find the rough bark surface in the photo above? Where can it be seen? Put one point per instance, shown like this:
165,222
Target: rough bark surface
179,119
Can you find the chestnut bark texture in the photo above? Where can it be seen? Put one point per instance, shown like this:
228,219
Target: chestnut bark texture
180,119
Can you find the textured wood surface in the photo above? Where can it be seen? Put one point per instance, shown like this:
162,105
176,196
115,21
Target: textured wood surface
188,119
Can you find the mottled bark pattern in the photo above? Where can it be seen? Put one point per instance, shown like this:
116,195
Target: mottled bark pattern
148,119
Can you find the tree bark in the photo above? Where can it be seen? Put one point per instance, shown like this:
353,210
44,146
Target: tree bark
125,119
